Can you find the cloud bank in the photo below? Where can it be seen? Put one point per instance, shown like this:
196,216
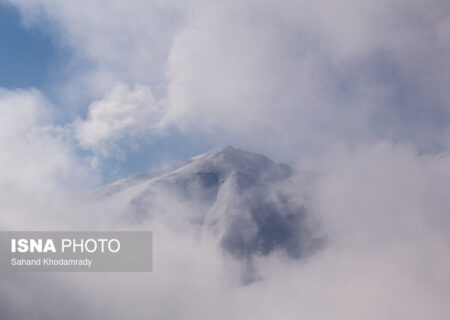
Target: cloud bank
361,88
38,165
297,75
384,210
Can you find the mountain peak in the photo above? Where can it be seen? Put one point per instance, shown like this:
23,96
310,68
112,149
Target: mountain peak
227,150
228,159
236,195
222,161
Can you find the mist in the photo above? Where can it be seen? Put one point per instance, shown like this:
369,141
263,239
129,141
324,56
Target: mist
351,95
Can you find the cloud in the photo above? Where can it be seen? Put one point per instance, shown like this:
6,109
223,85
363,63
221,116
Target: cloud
383,207
126,43
278,76
121,112
297,74
287,78
37,164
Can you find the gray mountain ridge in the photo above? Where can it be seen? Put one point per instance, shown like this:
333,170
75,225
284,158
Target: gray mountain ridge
238,196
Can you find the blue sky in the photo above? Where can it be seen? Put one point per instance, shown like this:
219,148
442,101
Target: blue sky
30,58
27,56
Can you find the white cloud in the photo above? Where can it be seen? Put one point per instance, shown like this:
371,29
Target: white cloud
120,41
282,77
37,163
295,74
383,207
277,76
122,112
299,75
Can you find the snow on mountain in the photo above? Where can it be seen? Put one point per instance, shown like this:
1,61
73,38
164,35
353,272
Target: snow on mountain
239,197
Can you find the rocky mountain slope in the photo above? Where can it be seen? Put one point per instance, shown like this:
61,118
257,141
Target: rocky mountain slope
245,200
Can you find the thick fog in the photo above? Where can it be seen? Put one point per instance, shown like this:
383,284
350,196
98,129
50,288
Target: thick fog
353,95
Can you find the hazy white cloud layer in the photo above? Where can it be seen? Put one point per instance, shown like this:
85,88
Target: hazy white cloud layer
384,210
362,84
303,74
38,165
